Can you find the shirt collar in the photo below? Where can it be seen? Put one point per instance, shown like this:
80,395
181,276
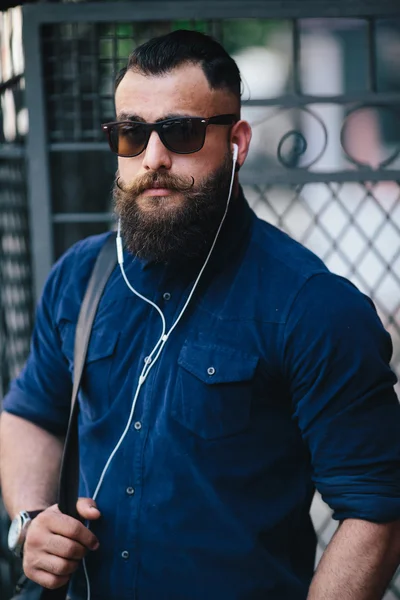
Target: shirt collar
234,233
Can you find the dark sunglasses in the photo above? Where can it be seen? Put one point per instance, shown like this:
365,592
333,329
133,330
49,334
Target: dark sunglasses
181,135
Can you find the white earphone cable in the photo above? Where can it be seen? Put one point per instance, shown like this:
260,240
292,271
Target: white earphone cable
150,362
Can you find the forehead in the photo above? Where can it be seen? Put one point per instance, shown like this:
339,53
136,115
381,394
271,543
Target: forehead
184,90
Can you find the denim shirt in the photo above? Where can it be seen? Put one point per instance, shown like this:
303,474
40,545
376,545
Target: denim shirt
275,381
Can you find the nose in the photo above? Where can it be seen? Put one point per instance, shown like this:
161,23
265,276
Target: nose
156,156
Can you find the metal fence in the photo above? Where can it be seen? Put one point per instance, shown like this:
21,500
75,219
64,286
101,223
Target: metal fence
321,90
16,293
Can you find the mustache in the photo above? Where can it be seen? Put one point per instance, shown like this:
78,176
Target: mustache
162,180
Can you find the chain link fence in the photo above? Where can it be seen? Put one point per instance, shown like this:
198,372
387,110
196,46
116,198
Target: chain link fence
355,229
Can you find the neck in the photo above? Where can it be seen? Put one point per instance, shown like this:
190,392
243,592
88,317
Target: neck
235,188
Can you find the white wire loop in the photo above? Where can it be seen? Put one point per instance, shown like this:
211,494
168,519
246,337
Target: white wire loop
158,348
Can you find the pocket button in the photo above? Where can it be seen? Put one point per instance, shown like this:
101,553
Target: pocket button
211,371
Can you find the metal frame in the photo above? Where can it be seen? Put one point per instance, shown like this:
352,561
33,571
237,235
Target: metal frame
34,16
149,10
37,151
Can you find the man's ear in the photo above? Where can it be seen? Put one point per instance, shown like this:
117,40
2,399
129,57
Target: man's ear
241,135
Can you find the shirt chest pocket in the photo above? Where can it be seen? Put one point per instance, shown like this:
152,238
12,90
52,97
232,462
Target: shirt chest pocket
96,393
214,390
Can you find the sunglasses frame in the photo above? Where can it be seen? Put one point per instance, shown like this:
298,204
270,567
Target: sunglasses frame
228,119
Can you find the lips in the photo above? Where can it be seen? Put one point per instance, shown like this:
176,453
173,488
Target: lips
157,190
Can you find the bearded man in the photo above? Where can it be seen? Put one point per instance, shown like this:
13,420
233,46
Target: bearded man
229,373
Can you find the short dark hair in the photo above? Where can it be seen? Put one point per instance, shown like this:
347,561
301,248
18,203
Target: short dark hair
162,54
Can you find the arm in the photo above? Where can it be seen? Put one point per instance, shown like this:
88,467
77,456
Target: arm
337,357
35,412
29,468
358,563
32,428
29,471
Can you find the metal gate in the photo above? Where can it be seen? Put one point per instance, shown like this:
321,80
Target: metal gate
321,89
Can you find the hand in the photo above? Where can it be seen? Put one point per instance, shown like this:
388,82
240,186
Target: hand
56,543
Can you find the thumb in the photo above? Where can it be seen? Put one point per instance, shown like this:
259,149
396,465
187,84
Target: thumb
87,509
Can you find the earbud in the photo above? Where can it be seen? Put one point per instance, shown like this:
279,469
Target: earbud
235,152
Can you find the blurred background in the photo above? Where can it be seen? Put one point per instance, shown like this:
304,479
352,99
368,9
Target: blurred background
321,89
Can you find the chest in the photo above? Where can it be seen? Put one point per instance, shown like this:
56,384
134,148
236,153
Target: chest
218,371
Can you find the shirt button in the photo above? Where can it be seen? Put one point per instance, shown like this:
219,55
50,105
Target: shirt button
130,491
138,425
167,296
147,360
125,554
211,371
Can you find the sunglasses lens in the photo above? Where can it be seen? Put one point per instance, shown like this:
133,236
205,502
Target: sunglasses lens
128,140
184,136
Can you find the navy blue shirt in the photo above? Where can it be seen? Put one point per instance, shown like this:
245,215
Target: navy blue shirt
275,381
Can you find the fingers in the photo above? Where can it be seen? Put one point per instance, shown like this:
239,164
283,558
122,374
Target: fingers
47,580
48,570
59,567
65,548
55,544
53,521
87,509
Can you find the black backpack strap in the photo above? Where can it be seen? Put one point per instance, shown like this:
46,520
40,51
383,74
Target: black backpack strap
69,477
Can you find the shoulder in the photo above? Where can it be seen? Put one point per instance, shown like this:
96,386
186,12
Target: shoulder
83,252
294,279
68,278
281,267
282,252
331,321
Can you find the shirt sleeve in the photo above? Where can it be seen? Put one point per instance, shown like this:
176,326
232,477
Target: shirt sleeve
42,391
336,357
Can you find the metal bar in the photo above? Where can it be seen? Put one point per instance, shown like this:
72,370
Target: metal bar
296,57
38,179
57,107
270,176
209,9
10,83
114,52
279,177
79,146
76,89
280,102
95,50
11,151
82,217
300,176
372,67
294,100
215,29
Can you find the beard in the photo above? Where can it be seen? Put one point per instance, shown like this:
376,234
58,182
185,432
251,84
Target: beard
163,230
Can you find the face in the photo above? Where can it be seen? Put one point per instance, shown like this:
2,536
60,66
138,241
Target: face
171,204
